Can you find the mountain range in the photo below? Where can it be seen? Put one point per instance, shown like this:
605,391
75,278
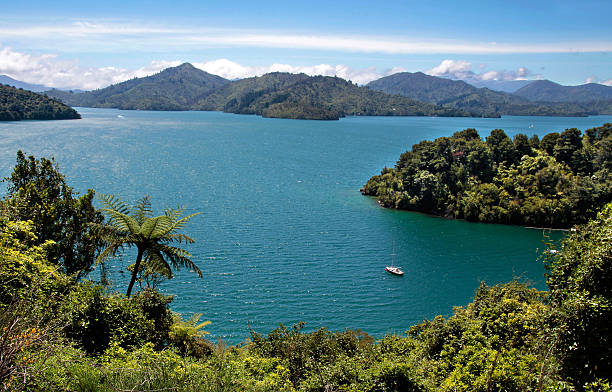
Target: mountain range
277,94
547,91
7,80
322,97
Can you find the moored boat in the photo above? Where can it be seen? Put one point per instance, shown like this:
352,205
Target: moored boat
394,270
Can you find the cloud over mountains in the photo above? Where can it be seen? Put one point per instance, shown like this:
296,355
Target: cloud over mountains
461,69
49,70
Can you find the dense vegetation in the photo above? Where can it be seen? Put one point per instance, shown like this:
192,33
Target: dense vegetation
63,334
175,88
556,182
282,95
313,97
547,91
459,95
18,104
299,96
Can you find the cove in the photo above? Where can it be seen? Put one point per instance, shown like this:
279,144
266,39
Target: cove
285,235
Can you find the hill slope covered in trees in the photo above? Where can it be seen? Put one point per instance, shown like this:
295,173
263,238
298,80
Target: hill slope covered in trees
175,88
276,94
547,91
558,181
300,96
463,96
17,104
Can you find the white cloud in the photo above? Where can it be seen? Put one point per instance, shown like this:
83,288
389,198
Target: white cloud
232,70
461,69
50,71
593,79
451,67
126,36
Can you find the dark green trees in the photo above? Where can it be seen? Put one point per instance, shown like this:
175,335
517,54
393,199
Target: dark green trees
580,282
137,227
18,104
556,182
38,192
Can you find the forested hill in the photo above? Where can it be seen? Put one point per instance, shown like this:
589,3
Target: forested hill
555,182
176,88
281,95
299,96
421,87
17,104
459,95
547,91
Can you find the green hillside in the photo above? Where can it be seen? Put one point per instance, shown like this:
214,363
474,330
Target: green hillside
459,95
300,96
421,87
17,104
175,88
547,91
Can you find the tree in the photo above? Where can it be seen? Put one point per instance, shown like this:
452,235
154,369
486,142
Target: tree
580,282
134,226
38,192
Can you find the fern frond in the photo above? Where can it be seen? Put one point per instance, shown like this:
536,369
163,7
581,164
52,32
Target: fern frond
178,258
143,209
114,203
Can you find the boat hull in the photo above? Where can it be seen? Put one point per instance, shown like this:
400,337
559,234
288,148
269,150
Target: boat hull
394,271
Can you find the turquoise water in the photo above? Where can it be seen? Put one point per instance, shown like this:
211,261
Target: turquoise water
285,235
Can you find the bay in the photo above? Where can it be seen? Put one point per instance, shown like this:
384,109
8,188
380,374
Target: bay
285,235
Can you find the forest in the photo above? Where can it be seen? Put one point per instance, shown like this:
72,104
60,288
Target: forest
18,104
64,330
556,182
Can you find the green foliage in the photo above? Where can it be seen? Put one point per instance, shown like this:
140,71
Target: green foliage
188,336
556,182
580,282
38,192
18,104
135,226
494,342
97,320
300,96
24,270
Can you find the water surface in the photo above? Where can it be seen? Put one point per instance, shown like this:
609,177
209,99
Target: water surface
285,235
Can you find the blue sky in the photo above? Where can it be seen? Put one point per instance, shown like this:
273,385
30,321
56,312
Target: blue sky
91,44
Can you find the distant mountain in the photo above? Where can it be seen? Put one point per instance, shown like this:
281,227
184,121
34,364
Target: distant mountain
7,80
547,91
460,95
507,86
18,104
301,96
281,95
421,87
175,88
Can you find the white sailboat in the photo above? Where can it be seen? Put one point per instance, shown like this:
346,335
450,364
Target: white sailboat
392,269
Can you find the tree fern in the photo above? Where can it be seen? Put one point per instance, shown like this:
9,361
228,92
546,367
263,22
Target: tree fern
135,226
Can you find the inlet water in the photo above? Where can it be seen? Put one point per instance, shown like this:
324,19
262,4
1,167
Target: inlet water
285,235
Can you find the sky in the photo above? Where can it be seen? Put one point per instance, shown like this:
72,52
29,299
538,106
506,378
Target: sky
88,45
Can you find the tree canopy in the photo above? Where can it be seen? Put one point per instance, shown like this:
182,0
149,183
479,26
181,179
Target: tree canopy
18,104
556,182
38,192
